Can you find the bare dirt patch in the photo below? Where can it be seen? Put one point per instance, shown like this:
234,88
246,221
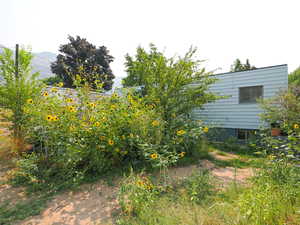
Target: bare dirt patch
93,205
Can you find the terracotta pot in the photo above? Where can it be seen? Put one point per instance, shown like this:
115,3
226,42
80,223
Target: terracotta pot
275,132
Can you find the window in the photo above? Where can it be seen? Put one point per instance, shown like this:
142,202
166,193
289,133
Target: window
250,94
245,134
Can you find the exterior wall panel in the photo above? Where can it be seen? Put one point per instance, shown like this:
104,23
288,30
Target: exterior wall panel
228,113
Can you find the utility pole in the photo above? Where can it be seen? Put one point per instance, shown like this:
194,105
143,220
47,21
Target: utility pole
17,61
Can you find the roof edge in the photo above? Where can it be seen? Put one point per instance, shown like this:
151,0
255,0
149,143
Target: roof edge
266,67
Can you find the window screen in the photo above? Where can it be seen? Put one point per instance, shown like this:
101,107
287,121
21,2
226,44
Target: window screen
250,94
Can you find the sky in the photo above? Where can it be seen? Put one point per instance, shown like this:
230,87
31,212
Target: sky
265,31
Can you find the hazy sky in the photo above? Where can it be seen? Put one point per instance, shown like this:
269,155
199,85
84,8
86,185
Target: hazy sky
265,31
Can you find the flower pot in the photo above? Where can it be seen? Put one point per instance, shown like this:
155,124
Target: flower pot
275,132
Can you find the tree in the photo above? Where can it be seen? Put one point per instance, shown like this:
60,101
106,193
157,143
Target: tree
79,57
174,85
237,66
17,91
294,77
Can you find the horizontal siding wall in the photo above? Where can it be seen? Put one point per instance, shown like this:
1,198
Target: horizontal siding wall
228,113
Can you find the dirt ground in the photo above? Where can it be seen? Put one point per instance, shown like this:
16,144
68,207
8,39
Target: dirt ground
94,204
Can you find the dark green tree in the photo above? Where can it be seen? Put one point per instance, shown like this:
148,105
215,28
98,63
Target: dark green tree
238,66
79,57
294,77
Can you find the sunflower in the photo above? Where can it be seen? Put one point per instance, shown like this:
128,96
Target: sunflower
71,108
29,101
97,124
111,142
72,128
154,156
155,123
102,138
54,118
60,84
205,129
54,90
91,104
45,94
181,132
69,100
296,126
49,118
182,154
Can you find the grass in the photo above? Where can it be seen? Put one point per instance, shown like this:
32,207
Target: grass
10,213
266,202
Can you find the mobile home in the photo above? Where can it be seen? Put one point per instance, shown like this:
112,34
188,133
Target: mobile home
238,114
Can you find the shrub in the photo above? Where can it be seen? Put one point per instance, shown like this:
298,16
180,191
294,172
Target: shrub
199,186
17,91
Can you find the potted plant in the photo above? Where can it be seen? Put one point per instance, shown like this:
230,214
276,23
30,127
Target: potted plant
275,129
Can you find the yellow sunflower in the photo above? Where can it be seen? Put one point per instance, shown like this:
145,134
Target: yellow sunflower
69,100
54,90
45,94
181,154
102,138
54,118
181,132
155,123
60,84
205,129
92,105
71,108
296,126
49,118
111,142
29,101
97,124
154,156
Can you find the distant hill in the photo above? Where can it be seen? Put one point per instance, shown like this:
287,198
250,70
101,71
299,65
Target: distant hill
41,63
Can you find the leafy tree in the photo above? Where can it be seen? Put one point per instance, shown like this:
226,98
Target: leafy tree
238,66
17,91
81,57
174,85
294,77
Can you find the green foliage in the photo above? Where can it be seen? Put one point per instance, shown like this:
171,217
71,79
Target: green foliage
16,91
274,195
174,85
80,55
23,209
199,186
283,109
294,77
238,66
272,198
52,80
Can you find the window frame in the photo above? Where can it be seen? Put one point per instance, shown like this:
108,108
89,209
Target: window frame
255,101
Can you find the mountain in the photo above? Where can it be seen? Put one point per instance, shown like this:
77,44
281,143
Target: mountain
41,62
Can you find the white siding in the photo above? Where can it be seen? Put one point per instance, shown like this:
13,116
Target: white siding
228,113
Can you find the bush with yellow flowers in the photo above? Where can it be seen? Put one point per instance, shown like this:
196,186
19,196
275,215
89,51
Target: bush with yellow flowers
79,135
